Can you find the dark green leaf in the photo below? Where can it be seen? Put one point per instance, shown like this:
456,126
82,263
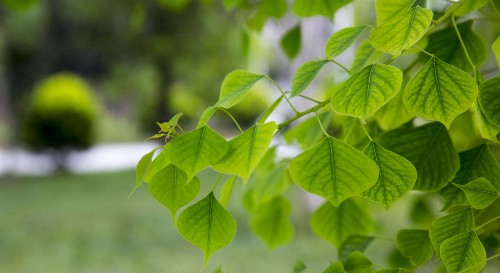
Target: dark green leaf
271,222
489,100
488,129
354,243
357,262
342,40
415,244
299,267
306,73
291,42
393,114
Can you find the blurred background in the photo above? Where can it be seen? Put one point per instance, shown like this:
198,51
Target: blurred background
82,83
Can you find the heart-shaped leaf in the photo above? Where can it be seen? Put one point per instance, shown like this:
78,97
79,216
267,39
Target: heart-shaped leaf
415,244
291,41
450,225
489,99
342,40
306,73
463,253
479,192
235,87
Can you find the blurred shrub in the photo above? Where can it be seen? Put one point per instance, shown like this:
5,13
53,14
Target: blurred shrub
61,115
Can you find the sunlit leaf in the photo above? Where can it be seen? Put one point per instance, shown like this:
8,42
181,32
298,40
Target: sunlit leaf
342,40
463,253
496,49
169,186
354,243
196,150
307,8
306,73
479,192
335,267
159,162
368,90
142,169
489,99
387,9
235,87
246,150
429,149
207,225
226,191
439,92
291,42
470,6
334,170
450,225
402,31
299,267
271,222
396,177
337,224
415,244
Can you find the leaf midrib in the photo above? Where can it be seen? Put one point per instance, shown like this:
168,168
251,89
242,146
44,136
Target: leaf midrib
465,251
408,29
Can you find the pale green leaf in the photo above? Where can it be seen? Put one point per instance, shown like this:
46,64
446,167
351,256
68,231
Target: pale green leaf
206,115
353,133
429,149
169,186
396,177
439,92
416,245
342,40
267,185
207,225
470,6
235,87
354,243
337,224
402,31
474,163
308,8
488,129
308,131
273,8
291,42
196,150
393,114
496,49
387,9
368,90
446,46
142,169
479,192
226,191
365,55
357,262
271,222
159,162
305,74
333,170
336,267
246,150
463,253
450,225
489,100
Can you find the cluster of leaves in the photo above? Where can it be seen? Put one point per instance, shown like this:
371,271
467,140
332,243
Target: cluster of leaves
396,137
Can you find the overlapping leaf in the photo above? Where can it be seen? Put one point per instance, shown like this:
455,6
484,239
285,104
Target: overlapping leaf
196,150
335,267
271,183
235,87
354,243
450,225
439,92
488,129
365,55
357,262
463,253
368,90
402,31
306,73
291,42
479,192
169,186
271,222
308,131
207,225
307,8
246,150
396,176
429,149
342,40
393,114
226,191
334,170
489,100
416,245
142,169
337,224
159,162
387,9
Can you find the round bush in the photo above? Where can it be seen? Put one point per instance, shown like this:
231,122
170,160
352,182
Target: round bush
60,115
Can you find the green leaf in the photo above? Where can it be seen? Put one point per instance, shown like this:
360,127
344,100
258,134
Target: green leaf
206,115
396,177
415,244
402,31
308,131
235,87
470,6
496,49
463,253
488,129
142,169
291,42
335,267
169,186
357,262
342,40
207,225
246,150
353,133
489,100
273,8
231,4
333,170
196,150
387,9
447,47
429,149
368,90
474,163
308,8
337,224
269,184
365,55
271,222
306,73
439,92
354,243
480,193
450,225
19,5
159,162
299,267
226,191
393,114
